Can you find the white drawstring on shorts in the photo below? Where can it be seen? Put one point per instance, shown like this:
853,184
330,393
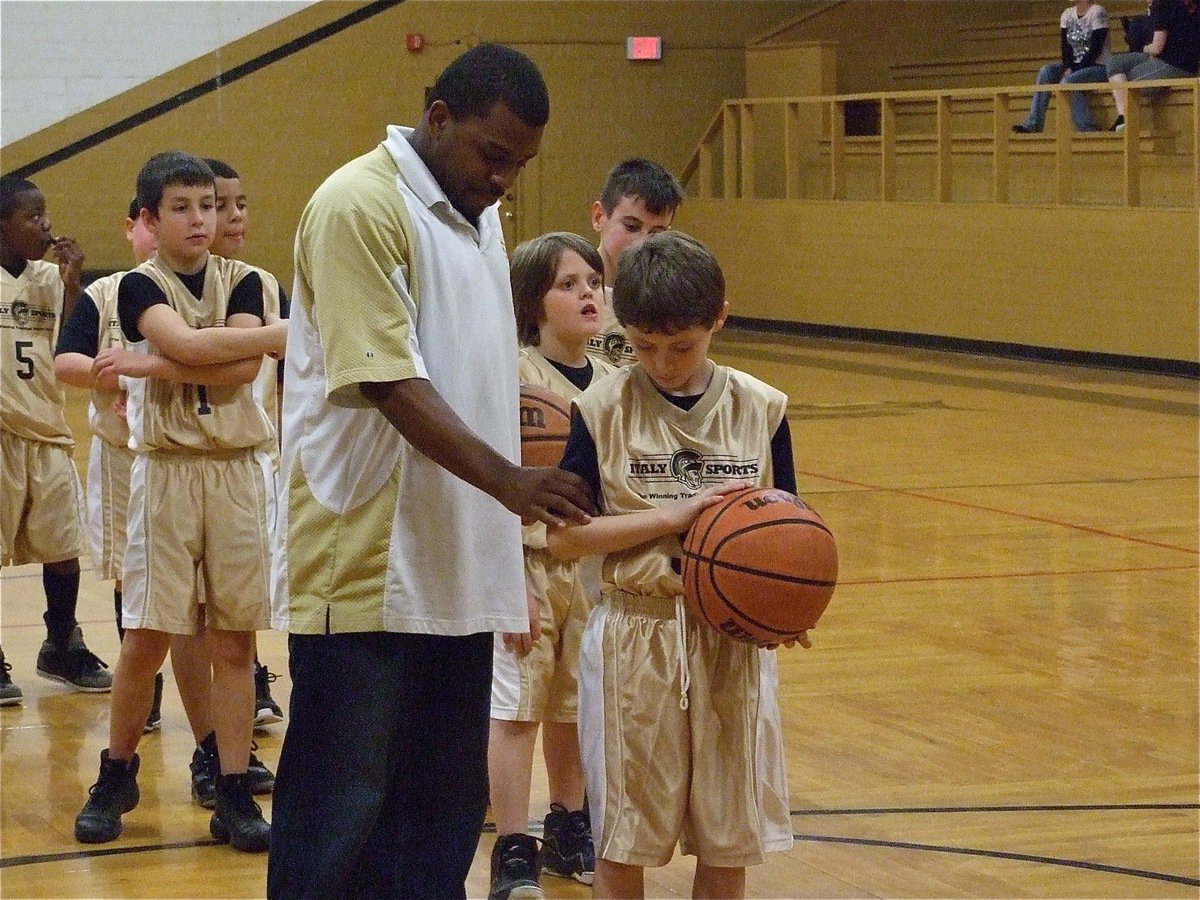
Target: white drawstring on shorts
685,677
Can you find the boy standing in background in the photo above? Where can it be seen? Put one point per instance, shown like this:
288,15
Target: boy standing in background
41,520
639,198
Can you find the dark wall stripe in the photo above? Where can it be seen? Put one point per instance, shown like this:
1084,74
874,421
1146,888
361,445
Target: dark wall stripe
207,87
1149,364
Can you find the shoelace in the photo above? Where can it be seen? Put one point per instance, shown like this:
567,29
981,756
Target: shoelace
87,660
514,858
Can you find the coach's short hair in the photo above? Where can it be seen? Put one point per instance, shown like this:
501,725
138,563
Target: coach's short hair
667,283
491,73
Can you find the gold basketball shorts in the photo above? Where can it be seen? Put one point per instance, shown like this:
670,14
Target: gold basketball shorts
680,736
41,504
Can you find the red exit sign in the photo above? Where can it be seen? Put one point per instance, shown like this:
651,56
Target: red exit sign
643,48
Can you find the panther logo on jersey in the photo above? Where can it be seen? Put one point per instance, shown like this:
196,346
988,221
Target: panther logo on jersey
20,312
616,347
687,467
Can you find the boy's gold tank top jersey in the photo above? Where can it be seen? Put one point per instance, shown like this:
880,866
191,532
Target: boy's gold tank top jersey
191,418
652,453
534,368
31,399
103,418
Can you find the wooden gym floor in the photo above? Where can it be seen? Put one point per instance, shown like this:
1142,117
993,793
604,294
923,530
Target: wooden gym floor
1001,700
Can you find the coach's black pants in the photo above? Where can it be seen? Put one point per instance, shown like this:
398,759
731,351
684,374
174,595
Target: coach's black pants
381,789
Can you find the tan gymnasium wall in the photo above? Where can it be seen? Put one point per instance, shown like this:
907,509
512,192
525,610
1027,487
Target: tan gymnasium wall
976,272
288,124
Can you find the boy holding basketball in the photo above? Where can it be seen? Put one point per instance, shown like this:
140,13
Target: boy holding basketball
639,198
558,297
656,442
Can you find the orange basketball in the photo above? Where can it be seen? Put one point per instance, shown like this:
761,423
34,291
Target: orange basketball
545,424
760,566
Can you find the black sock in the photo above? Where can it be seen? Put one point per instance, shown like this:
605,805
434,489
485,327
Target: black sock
117,607
62,594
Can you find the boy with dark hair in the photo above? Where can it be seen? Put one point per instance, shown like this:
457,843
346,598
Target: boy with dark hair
398,545
41,519
93,327
639,198
233,214
200,490
710,773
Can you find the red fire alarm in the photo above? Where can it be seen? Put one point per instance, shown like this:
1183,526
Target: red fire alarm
643,47
414,41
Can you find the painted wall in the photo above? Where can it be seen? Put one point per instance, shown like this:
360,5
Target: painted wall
287,125
57,59
981,272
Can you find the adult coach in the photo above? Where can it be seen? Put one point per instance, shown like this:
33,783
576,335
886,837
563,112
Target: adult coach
396,562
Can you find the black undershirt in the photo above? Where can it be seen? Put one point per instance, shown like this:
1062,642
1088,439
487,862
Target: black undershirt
138,292
580,376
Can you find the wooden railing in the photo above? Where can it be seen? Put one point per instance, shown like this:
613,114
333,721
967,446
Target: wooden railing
800,148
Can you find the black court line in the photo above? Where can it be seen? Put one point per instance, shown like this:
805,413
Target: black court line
109,851
1051,807
1001,854
207,87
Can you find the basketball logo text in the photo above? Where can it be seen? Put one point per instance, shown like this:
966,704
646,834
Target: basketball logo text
767,499
533,417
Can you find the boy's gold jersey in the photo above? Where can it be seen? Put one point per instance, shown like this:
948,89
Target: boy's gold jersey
191,418
651,453
31,399
103,418
534,368
610,343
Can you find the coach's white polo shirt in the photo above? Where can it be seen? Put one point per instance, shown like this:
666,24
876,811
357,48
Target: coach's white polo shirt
373,535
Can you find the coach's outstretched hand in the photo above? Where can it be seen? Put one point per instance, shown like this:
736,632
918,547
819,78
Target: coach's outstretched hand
549,495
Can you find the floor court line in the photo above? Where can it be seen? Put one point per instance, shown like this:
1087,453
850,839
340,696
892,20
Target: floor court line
1005,575
1052,807
1001,854
1088,529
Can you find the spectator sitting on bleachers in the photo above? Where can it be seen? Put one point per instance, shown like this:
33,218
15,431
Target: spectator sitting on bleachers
1084,42
1139,30
1173,51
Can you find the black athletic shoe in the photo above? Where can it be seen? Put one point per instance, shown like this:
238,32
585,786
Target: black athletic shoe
567,848
260,778
75,665
154,720
238,820
114,793
10,694
516,865
266,710
205,767
1118,124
